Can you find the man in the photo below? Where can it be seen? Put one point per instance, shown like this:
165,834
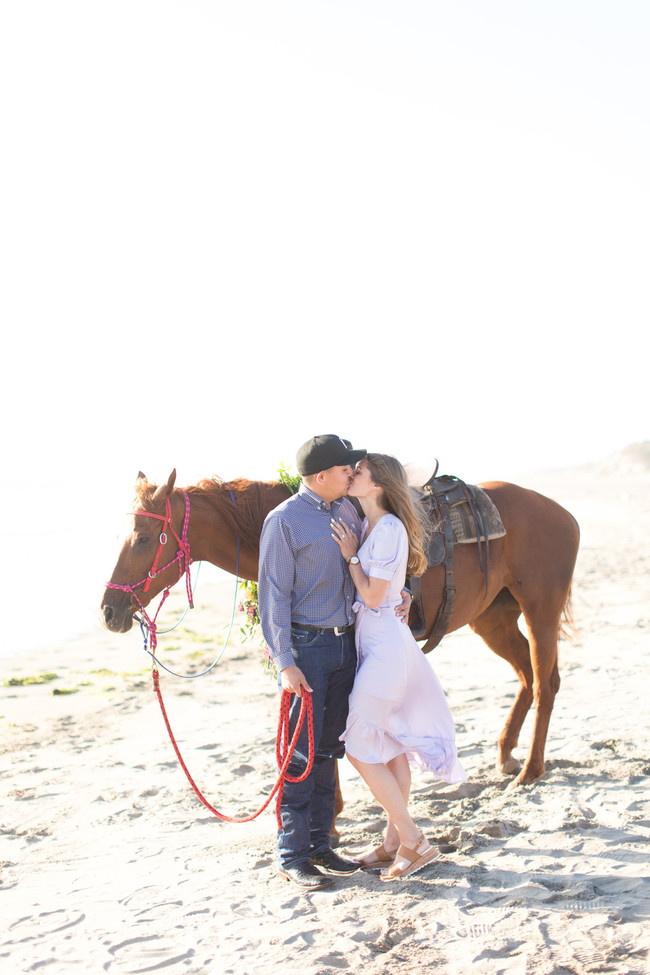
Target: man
305,601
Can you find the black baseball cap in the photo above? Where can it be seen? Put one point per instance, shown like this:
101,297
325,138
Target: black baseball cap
327,450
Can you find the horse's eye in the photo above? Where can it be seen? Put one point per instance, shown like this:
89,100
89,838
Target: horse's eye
142,540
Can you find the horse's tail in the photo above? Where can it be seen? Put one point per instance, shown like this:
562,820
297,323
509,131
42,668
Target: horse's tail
568,628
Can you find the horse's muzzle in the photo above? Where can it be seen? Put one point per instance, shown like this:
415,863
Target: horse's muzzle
116,612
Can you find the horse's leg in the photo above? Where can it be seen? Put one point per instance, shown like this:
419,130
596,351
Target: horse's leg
335,836
539,555
544,630
497,627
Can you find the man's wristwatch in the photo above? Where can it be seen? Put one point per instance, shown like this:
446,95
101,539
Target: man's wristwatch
353,560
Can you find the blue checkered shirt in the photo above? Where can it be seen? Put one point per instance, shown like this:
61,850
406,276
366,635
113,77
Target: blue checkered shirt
303,578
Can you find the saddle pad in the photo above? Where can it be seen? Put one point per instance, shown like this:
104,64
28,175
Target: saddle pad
464,526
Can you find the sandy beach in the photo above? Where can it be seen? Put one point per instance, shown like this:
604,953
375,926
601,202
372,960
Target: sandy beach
109,863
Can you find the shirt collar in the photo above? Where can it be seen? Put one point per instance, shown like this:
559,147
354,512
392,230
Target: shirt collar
308,495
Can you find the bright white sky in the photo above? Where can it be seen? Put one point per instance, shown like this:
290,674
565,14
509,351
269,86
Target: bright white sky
227,226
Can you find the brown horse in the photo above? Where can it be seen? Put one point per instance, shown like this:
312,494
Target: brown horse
531,569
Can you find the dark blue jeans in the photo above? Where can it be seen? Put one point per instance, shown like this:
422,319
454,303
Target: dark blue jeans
329,663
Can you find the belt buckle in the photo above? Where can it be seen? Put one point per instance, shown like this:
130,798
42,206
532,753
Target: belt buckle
340,630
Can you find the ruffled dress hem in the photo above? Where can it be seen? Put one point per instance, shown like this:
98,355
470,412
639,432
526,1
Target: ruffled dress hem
369,743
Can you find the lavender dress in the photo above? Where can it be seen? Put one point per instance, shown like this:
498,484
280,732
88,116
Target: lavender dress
397,704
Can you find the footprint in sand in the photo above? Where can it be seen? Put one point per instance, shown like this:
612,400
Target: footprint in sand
149,953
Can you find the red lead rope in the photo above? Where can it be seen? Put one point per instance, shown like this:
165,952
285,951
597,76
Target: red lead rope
284,750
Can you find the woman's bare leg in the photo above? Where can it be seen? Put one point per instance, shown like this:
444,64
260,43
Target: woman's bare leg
401,769
389,789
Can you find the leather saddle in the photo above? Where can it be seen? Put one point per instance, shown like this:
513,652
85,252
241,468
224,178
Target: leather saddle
442,498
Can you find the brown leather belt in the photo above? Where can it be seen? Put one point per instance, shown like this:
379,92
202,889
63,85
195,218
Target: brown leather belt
336,630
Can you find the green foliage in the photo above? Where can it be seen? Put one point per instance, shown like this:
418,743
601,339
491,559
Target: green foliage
25,681
251,628
291,481
249,606
193,636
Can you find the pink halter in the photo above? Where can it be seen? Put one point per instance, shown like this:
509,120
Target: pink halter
182,557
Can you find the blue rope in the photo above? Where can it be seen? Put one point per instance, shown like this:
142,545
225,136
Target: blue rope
187,608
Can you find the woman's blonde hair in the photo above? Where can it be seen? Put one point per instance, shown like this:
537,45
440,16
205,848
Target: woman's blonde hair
397,498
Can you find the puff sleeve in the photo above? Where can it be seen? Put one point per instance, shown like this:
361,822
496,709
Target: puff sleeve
387,549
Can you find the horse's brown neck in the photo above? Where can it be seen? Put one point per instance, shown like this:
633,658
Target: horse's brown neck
219,524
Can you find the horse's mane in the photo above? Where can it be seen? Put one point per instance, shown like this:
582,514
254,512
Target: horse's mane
144,492
244,511
242,503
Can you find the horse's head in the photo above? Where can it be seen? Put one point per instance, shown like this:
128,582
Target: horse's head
148,546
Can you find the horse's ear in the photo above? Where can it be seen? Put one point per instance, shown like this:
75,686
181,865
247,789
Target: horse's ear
141,476
165,490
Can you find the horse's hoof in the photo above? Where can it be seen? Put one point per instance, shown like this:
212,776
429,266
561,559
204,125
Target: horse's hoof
335,839
525,777
510,766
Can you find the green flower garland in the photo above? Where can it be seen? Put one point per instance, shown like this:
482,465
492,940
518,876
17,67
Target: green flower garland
251,628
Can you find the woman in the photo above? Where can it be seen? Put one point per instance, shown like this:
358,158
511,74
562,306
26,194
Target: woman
398,712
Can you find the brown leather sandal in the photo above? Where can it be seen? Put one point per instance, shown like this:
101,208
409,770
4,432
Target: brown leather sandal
415,861
377,858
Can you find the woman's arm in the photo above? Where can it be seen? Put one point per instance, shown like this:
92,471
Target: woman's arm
371,589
